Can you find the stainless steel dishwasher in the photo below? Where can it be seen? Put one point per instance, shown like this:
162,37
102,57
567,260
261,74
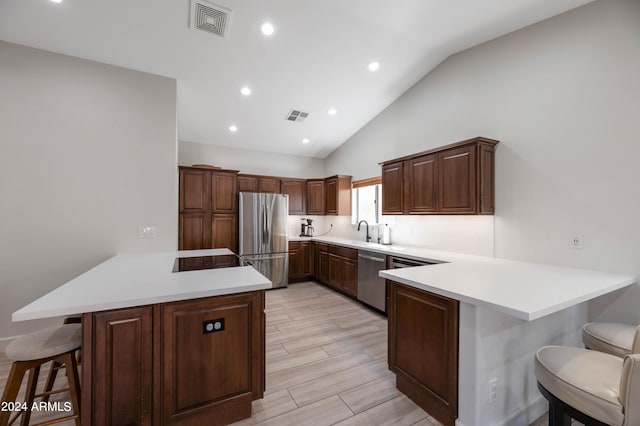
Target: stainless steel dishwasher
371,287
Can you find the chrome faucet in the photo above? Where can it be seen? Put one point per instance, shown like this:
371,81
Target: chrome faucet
367,225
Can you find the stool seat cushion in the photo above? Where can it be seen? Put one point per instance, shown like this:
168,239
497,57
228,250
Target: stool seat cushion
612,338
586,380
45,343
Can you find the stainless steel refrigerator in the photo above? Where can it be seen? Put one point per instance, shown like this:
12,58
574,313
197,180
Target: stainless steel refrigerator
264,238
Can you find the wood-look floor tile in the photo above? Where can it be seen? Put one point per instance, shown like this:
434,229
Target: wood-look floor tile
396,412
273,350
272,405
322,413
331,384
355,343
370,394
295,359
302,374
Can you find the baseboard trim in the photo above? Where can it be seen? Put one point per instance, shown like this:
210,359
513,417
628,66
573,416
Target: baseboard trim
525,415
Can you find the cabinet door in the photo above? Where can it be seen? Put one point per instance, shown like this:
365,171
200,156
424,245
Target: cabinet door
457,180
331,191
423,184
224,231
350,276
294,261
194,190
315,197
117,377
487,178
194,231
296,189
424,326
224,190
211,375
323,267
392,188
247,184
335,271
269,184
306,259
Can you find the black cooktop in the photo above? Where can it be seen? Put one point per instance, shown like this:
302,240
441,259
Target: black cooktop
198,263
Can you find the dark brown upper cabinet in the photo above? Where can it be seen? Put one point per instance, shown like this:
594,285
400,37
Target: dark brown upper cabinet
338,195
224,192
392,188
453,179
315,197
256,183
296,190
195,188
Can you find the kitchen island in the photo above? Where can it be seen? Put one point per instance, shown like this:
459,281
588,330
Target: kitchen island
164,347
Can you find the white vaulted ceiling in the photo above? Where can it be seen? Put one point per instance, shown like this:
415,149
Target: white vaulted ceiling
316,59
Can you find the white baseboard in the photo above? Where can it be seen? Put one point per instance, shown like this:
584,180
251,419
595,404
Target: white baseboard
524,416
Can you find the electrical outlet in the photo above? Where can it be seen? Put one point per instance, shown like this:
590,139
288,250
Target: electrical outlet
575,241
493,390
146,231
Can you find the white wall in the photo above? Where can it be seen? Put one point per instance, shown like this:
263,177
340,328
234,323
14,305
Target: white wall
563,99
249,161
88,153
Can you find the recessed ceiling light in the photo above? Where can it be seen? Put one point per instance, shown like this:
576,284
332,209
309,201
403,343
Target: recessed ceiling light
332,111
267,29
305,140
245,91
233,128
56,1
373,66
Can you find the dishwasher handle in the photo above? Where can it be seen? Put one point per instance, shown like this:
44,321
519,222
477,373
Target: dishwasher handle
374,259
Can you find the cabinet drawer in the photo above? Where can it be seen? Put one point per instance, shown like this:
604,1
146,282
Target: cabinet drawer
344,251
323,247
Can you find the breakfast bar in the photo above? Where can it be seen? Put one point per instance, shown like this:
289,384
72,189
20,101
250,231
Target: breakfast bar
172,337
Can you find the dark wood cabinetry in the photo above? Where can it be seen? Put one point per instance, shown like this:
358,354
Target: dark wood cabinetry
296,190
301,260
322,263
212,377
256,183
208,203
316,197
158,365
338,195
422,178
392,188
342,269
117,364
224,192
424,326
454,179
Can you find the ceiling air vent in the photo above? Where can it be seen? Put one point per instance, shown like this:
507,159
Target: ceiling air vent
210,17
297,116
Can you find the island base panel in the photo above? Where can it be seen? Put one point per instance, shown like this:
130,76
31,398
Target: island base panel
423,349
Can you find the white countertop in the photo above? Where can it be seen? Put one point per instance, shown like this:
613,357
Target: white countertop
142,279
524,290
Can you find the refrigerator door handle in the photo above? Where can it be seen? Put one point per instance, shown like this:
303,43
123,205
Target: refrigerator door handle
265,234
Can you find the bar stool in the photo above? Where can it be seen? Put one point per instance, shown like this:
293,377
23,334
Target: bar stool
612,338
29,353
595,388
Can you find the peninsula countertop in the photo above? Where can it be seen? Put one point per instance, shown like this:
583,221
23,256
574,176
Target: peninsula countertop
520,289
139,279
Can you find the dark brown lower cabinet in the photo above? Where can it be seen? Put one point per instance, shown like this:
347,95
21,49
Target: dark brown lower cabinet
342,266
423,349
301,261
117,367
322,263
162,365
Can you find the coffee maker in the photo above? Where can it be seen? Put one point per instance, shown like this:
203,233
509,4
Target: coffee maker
306,229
